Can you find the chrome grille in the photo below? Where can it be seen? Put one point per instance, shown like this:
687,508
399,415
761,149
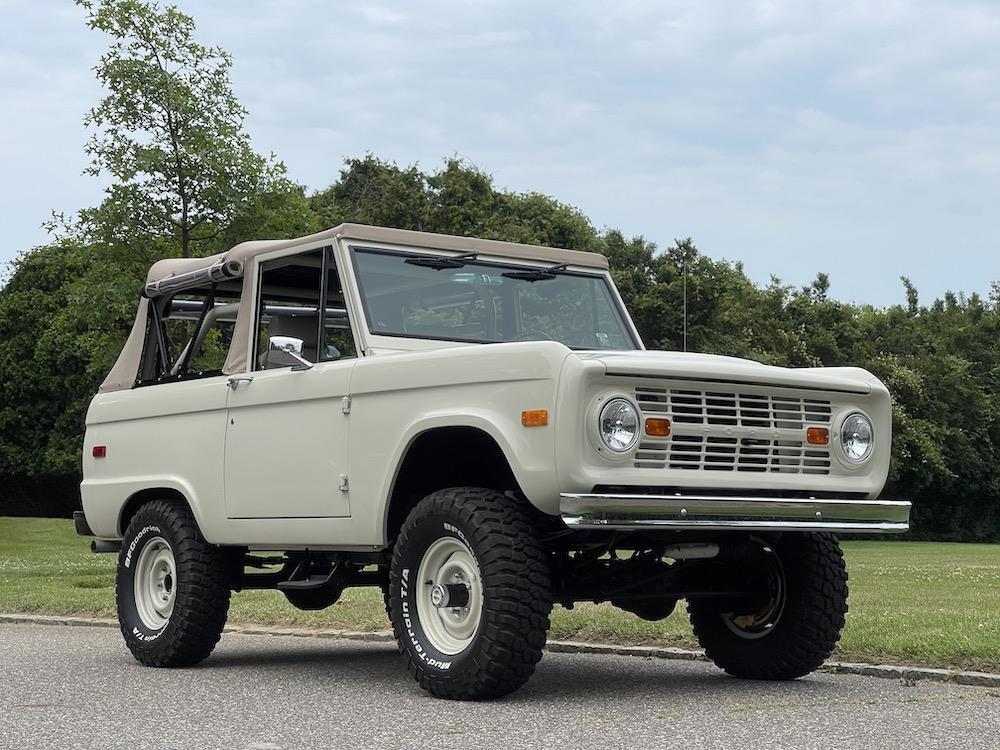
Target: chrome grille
719,431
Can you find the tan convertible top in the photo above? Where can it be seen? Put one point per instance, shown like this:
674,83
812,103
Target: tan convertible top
123,374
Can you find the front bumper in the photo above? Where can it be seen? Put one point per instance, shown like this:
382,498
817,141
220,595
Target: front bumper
732,513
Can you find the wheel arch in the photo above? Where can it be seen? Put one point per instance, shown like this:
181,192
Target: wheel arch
443,456
137,499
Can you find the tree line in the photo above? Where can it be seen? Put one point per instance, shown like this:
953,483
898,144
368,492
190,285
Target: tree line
184,180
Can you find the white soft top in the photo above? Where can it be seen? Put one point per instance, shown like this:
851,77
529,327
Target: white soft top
123,374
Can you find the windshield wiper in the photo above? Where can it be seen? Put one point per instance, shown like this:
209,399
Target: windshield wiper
536,274
440,262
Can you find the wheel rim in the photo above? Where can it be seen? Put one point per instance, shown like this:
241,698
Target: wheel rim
155,583
760,622
450,596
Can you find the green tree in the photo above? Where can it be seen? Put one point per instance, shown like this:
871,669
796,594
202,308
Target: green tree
33,397
170,134
372,191
457,199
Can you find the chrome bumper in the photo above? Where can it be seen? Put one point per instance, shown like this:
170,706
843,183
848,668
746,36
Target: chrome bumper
711,513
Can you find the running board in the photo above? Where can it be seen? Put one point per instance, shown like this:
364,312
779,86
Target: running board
308,583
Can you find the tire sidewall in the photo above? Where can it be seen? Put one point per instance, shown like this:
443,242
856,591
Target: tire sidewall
404,588
141,532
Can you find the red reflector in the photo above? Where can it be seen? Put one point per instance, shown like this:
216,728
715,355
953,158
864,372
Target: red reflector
100,451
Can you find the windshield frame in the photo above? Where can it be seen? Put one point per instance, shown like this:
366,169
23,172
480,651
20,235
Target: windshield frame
602,277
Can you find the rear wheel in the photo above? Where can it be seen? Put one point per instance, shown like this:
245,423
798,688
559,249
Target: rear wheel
469,594
171,589
793,625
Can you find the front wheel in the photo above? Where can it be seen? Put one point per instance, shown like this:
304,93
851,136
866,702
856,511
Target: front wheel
792,626
469,594
171,589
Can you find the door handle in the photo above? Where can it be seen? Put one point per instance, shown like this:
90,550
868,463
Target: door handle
234,382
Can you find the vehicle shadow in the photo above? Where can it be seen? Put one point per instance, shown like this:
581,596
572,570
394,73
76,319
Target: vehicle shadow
629,679
557,677
321,654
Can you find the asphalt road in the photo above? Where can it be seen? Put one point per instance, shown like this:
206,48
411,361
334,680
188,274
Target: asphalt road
77,687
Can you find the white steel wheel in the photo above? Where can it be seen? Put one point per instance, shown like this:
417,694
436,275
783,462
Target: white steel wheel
450,595
155,584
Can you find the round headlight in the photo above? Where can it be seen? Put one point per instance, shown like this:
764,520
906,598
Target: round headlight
619,425
857,437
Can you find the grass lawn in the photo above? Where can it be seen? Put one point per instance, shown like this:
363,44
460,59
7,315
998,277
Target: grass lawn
911,602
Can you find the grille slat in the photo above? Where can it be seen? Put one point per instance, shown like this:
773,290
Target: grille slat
734,409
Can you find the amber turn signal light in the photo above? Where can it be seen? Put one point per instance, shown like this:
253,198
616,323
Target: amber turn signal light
658,427
535,417
818,436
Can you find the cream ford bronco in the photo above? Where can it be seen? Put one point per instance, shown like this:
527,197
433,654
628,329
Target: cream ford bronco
475,427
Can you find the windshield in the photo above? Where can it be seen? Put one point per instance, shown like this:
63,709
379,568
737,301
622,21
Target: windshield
462,299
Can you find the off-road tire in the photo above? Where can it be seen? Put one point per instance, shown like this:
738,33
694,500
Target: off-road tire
386,601
311,600
201,600
516,586
808,629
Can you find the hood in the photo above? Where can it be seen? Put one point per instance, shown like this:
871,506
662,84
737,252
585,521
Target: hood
715,368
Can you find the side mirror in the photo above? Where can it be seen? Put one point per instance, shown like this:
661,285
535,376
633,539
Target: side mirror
276,359
301,363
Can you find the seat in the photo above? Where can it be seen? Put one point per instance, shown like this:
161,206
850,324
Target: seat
304,328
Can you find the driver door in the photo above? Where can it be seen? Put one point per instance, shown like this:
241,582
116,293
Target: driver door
286,432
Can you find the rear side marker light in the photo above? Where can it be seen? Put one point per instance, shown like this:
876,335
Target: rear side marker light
658,427
100,451
818,436
535,417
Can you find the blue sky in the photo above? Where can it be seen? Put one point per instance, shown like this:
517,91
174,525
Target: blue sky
857,138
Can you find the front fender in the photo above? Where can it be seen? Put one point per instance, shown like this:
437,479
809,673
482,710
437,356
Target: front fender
395,398
529,452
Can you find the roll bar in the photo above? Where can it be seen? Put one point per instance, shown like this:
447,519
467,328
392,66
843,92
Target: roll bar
183,309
